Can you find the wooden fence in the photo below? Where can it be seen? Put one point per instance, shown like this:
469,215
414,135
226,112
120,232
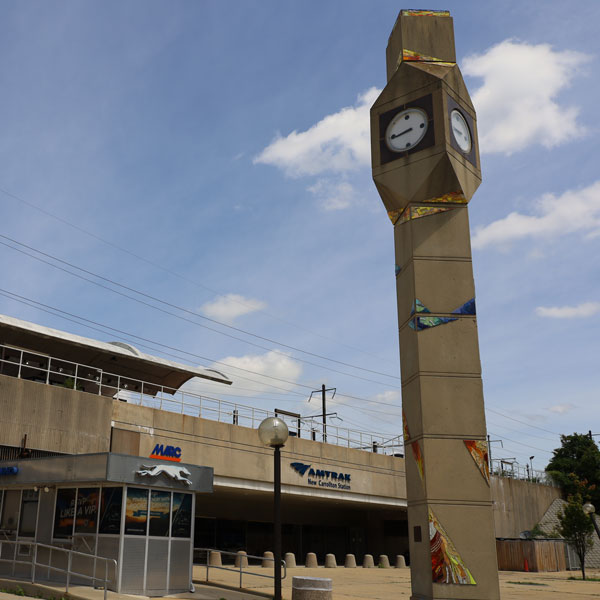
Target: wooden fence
531,555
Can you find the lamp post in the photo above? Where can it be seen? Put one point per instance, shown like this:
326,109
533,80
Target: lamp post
273,432
590,509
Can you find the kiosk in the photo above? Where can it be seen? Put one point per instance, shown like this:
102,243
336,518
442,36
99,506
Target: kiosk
137,511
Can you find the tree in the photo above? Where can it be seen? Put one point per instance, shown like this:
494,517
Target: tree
578,456
576,528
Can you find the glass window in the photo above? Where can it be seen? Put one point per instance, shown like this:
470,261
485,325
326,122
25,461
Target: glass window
160,509
182,515
87,510
29,508
136,511
65,511
10,510
110,511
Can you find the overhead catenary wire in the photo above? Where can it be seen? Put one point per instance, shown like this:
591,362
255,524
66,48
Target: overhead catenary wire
187,311
170,271
95,325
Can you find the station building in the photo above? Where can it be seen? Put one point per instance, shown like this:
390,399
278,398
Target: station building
68,401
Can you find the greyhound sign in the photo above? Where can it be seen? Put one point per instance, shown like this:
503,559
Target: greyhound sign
175,472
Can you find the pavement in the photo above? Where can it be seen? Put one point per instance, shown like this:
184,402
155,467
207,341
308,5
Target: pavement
348,584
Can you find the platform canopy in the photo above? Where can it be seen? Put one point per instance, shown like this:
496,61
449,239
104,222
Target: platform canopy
118,358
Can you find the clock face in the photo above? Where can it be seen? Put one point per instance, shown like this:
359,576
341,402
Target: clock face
460,131
406,129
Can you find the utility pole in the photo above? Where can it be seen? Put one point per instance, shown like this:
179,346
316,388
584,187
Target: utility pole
323,391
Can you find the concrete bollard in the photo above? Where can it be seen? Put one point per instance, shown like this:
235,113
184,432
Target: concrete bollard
350,562
214,559
384,561
267,563
368,561
312,588
311,561
330,562
290,560
241,560
400,562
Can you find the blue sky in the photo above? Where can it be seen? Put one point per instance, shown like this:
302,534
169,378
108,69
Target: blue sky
226,143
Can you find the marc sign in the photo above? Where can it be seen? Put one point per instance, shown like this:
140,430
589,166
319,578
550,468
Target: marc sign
322,477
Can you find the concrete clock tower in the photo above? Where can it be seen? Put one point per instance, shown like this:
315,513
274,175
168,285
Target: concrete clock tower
426,168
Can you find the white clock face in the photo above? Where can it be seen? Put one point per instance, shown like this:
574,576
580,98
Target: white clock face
406,130
460,131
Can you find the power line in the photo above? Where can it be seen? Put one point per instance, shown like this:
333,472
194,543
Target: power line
522,422
171,272
71,316
153,298
520,443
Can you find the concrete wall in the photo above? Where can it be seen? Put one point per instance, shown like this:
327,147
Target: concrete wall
519,505
55,419
239,459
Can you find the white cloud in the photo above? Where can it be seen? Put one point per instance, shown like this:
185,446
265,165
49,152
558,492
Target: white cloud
338,143
334,195
517,104
562,409
389,396
274,364
573,211
587,309
231,306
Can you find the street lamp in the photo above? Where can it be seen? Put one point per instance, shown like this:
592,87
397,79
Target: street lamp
273,432
590,509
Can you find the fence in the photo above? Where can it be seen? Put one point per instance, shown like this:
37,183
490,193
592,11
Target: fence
30,555
531,555
240,560
513,470
58,372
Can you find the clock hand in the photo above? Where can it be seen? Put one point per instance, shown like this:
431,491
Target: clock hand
395,135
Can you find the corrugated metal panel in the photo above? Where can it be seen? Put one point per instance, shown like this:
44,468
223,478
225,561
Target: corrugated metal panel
179,580
156,579
134,553
108,547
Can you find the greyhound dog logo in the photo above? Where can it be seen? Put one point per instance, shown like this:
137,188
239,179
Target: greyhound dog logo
300,467
176,472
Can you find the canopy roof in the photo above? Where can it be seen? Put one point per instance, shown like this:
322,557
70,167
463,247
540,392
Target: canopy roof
114,357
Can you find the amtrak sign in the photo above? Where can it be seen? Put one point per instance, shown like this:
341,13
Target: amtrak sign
322,477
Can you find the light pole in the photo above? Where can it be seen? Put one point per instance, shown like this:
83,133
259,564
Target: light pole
590,509
531,463
273,432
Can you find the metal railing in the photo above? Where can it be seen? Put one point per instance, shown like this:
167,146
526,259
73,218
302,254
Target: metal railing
34,563
240,567
513,470
45,369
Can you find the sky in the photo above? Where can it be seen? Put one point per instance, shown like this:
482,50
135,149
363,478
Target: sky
215,157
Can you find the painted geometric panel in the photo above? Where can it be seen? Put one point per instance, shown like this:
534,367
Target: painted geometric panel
415,12
479,451
411,55
447,565
414,212
415,447
420,323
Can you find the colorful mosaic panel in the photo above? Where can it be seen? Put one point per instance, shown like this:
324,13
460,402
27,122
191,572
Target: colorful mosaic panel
412,56
414,212
447,565
416,449
415,12
450,197
479,451
420,323
397,269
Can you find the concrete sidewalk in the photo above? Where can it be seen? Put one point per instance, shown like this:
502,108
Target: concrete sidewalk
348,584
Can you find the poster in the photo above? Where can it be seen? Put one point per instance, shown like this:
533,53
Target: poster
110,512
65,511
136,511
160,510
182,515
87,510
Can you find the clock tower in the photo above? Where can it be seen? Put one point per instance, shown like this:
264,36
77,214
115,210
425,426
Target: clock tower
425,159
